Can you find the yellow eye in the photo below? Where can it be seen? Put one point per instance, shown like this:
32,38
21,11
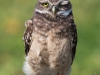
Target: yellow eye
45,4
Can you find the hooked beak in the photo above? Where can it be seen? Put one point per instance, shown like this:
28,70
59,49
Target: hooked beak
53,10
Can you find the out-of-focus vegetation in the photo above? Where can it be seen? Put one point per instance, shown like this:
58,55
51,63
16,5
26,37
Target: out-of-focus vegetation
13,14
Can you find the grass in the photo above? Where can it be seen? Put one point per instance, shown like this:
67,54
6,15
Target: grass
13,14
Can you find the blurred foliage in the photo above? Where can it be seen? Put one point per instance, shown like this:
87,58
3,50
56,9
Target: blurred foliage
13,14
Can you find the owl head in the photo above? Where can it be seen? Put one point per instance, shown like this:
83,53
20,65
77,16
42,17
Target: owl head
53,8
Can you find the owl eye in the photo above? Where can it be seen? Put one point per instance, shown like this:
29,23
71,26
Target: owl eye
45,4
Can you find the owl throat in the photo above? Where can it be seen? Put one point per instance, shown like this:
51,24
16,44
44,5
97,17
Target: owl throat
60,14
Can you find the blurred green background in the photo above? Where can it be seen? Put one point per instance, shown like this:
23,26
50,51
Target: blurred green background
13,14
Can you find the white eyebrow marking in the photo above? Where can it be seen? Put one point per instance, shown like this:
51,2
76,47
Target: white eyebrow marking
54,3
43,1
64,2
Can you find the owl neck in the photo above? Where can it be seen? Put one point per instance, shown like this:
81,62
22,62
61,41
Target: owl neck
43,24
50,18
42,21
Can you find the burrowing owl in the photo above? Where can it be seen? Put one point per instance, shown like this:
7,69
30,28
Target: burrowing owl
50,39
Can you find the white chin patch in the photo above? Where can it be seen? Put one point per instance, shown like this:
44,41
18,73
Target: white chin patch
64,13
42,12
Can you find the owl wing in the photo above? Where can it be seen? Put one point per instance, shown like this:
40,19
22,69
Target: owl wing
28,35
74,40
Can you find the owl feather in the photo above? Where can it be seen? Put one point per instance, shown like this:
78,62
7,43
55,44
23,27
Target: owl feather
50,44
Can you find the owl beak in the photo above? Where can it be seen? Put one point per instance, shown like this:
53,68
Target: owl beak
54,10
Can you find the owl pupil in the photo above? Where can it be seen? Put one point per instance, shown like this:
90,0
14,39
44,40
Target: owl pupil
45,4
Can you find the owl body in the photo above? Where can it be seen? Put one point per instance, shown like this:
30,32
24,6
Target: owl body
50,41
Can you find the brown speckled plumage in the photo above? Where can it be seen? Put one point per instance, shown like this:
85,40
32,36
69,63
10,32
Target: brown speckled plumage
50,41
